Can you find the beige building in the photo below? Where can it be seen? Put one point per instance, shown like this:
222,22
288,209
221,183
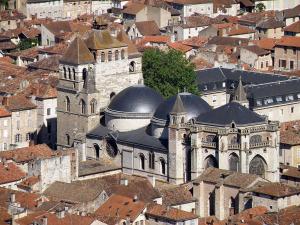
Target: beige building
256,57
10,19
270,28
286,55
5,130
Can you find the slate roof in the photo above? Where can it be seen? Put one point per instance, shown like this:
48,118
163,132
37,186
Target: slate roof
77,53
142,138
231,112
178,106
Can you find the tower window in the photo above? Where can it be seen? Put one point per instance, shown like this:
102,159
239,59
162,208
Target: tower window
116,55
74,74
93,106
84,76
69,73
122,54
132,66
151,160
102,57
82,106
65,73
68,106
142,162
163,166
67,139
109,56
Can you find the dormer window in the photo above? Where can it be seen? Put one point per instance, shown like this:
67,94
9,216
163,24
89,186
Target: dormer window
289,98
109,56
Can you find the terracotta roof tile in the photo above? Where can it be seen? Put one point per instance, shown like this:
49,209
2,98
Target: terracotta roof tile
195,42
290,133
289,41
294,27
122,37
278,190
102,40
118,208
26,154
169,213
50,63
148,28
29,182
11,15
17,103
133,8
266,43
180,47
189,2
52,219
26,200
156,39
9,172
30,53
239,30
4,112
78,53
289,171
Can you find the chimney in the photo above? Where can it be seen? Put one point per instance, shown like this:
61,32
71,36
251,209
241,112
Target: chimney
124,182
60,213
44,220
12,198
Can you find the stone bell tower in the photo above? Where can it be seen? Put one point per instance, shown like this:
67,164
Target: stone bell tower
77,108
176,161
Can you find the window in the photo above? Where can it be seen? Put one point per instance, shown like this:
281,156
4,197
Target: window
268,101
5,146
122,54
82,106
282,63
294,51
17,114
285,50
5,123
18,138
223,84
65,73
142,162
289,98
74,74
214,98
69,73
162,166
267,63
151,160
102,57
109,56
93,106
28,135
67,102
49,111
261,65
259,103
298,95
67,139
292,109
116,55
291,65
132,66
279,99
84,76
281,111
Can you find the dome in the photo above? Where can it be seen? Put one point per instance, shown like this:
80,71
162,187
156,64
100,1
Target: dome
136,99
193,105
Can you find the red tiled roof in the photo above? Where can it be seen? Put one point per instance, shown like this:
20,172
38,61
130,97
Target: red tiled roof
156,39
133,8
295,27
169,213
289,41
4,112
119,207
266,43
11,15
290,133
180,47
195,41
17,103
28,153
148,28
9,172
278,190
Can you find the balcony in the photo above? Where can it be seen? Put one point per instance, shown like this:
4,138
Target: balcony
235,146
260,144
209,144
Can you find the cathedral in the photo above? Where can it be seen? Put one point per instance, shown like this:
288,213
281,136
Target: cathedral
106,112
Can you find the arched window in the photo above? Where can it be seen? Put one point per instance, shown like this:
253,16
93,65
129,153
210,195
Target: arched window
210,161
102,57
84,76
162,166
182,120
232,206
211,138
97,151
258,166
68,105
65,73
234,162
69,73
122,54
117,55
132,66
82,106
255,139
109,56
151,160
74,74
142,162
93,106
112,95
68,139
95,55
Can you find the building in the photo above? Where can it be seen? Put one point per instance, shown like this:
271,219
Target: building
10,19
10,175
270,28
141,29
97,69
286,54
256,57
45,9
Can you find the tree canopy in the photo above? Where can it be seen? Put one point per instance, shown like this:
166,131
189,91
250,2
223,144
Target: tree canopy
260,7
168,72
27,43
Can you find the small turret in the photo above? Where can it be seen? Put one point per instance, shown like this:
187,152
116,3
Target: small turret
178,112
240,95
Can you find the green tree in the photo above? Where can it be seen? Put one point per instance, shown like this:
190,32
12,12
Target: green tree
27,43
260,7
3,4
168,72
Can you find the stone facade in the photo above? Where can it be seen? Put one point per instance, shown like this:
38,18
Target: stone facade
286,58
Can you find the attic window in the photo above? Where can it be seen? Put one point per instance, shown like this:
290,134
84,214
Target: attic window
279,99
258,102
289,98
